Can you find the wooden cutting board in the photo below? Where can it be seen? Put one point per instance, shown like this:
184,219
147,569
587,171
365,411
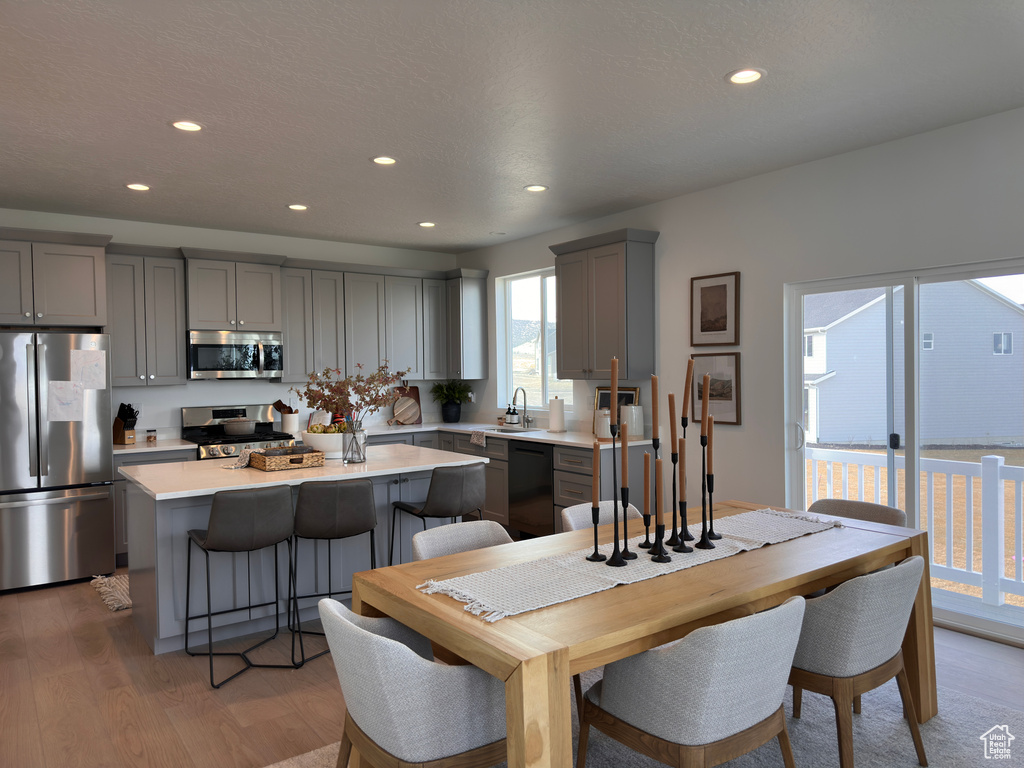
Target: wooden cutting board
407,407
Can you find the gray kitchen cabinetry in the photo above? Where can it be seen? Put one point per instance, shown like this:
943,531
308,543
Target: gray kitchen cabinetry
425,439
410,487
495,471
297,324
401,439
435,329
467,326
233,296
53,283
328,320
445,441
403,325
365,319
605,305
573,476
121,490
146,317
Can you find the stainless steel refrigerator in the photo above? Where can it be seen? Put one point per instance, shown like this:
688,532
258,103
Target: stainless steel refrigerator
56,465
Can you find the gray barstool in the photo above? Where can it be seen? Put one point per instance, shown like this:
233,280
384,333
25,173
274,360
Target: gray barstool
453,492
327,511
241,521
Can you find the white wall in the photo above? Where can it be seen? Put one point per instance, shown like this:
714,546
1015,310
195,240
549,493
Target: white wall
949,196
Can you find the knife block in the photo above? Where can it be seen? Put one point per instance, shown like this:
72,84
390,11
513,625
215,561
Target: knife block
123,436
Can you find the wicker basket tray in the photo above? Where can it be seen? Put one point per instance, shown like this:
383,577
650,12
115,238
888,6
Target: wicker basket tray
299,457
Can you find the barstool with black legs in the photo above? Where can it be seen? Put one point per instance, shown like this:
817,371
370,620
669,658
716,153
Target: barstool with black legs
327,511
241,521
453,492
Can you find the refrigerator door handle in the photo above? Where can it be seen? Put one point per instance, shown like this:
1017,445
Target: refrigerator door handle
44,440
30,366
56,500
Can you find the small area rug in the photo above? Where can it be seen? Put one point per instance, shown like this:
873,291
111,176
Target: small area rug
114,591
952,739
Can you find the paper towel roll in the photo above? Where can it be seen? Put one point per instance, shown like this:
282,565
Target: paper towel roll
556,415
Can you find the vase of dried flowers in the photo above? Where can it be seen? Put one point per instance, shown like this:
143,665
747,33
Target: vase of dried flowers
349,400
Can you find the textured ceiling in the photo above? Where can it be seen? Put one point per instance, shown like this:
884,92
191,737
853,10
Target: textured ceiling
612,103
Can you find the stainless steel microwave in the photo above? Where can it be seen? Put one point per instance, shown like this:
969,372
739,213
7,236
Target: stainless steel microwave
234,355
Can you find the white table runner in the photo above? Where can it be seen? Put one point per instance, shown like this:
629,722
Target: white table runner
515,589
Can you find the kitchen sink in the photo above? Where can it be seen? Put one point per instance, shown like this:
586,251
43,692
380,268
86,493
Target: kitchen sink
511,429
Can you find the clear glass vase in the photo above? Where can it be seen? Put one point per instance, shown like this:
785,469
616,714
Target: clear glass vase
355,444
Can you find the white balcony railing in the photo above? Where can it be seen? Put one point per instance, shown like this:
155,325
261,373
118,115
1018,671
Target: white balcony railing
973,512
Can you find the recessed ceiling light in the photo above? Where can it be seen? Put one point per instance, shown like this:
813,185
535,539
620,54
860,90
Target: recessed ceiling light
298,207
138,187
187,125
745,76
427,224
384,160
535,188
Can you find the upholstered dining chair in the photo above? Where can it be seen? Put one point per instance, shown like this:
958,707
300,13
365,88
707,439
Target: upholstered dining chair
453,492
401,708
860,510
851,643
580,516
703,700
326,511
460,537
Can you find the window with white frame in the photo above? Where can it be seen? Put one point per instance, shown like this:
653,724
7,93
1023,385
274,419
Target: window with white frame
1002,343
530,322
927,341
809,345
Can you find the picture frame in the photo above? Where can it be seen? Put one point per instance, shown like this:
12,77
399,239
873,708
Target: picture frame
603,399
724,403
715,310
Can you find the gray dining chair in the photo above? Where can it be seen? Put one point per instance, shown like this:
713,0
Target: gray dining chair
580,516
460,537
702,700
401,708
851,643
453,493
860,510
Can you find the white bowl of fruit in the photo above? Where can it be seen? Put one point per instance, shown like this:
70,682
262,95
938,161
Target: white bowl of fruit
327,438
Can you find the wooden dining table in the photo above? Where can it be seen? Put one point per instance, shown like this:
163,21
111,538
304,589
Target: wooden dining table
537,652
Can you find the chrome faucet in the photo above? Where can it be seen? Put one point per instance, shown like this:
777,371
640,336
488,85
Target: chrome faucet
524,419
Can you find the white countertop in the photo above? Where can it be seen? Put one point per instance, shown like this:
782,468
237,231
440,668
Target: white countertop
573,439
187,479
160,445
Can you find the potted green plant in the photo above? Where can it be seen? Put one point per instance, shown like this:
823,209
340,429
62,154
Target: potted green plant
451,394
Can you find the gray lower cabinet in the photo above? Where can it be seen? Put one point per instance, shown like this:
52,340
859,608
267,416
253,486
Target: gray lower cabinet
401,439
365,318
574,472
426,439
146,319
605,305
233,296
496,472
445,441
412,488
121,490
52,284
435,329
297,324
403,325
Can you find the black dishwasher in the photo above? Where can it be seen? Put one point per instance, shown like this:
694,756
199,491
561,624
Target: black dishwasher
531,507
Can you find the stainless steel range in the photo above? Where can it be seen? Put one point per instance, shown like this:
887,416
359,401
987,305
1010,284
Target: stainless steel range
208,427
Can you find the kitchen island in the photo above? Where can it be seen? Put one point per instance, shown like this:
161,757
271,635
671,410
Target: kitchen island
164,501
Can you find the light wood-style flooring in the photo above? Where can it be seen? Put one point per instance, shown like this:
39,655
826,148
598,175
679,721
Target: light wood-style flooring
80,687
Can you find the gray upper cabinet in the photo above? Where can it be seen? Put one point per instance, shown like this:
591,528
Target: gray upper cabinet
605,305
403,326
435,329
146,319
328,320
53,283
467,327
233,296
365,320
297,324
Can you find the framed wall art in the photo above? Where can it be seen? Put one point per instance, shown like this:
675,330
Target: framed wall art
603,398
715,310
724,390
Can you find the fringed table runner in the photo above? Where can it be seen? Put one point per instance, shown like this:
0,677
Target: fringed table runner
515,589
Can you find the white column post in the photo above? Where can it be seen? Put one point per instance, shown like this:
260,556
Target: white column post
992,529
